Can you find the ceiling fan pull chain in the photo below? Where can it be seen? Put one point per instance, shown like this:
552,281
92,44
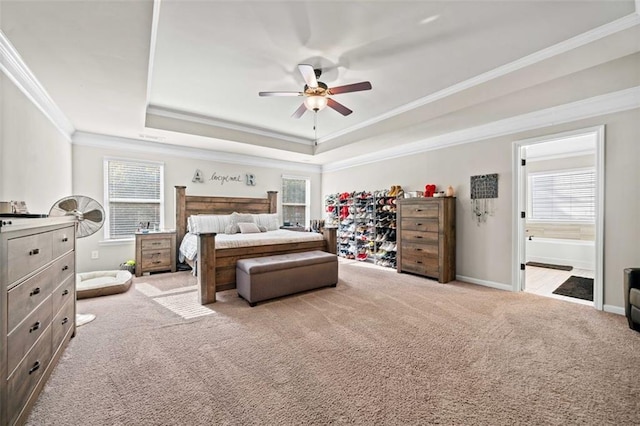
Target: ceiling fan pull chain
315,128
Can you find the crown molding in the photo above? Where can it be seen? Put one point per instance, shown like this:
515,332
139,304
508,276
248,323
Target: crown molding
14,67
595,34
120,144
209,121
609,103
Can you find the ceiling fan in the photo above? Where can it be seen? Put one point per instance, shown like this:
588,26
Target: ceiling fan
317,93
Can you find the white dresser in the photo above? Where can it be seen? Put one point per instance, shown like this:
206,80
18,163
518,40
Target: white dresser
37,307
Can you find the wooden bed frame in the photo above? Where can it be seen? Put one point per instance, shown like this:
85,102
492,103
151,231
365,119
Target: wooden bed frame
216,268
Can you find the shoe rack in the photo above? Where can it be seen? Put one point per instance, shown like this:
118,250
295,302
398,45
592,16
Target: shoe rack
366,223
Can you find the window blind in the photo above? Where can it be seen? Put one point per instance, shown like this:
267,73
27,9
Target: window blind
563,196
295,200
134,196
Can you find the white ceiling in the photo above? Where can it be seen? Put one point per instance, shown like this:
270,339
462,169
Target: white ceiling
189,72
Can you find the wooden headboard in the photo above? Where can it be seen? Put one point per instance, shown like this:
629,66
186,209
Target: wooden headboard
187,205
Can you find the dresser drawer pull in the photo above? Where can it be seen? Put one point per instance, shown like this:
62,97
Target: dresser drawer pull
34,327
34,252
65,320
419,262
419,224
65,239
156,243
35,291
65,292
155,262
418,236
65,267
418,249
36,365
418,210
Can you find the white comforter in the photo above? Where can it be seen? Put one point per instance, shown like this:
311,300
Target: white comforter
189,244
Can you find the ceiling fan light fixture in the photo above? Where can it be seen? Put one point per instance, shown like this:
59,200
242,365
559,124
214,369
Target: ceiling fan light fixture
315,102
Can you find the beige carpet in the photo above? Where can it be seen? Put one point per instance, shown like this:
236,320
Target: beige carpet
380,348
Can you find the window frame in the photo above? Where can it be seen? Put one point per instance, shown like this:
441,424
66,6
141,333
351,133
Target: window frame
307,194
578,170
107,200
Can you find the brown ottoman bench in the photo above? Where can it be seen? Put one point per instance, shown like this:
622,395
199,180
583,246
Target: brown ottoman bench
264,278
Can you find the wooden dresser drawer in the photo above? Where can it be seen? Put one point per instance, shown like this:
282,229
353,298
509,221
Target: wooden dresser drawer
420,237
25,297
63,268
421,265
62,323
419,224
419,210
419,249
22,338
27,375
26,254
64,292
156,259
63,240
157,243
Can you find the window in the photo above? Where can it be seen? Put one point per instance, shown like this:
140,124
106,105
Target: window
567,196
295,200
133,195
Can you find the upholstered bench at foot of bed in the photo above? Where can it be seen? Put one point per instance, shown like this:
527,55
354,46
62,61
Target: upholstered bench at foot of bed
268,277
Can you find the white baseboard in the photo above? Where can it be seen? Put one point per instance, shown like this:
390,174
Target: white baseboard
491,284
613,309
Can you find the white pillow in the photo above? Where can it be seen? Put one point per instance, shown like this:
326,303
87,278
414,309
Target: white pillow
248,228
202,223
268,220
236,218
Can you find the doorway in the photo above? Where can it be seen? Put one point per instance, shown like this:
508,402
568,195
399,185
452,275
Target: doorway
558,215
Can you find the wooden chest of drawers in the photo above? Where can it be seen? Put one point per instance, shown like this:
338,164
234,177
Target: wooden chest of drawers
37,307
426,235
155,251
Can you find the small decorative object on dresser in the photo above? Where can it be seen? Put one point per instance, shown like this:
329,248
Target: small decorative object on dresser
37,307
427,237
155,251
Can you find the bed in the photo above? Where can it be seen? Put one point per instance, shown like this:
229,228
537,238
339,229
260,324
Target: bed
216,265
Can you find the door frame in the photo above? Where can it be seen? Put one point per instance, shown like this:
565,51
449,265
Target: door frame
519,205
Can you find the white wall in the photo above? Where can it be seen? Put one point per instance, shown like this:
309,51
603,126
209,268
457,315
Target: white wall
178,170
484,251
35,158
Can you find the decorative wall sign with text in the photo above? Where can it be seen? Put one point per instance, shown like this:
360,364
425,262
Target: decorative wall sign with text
249,179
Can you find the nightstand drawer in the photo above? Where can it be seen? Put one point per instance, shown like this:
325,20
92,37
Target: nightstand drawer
154,244
156,259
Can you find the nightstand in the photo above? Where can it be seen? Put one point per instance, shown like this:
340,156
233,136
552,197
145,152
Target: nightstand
155,251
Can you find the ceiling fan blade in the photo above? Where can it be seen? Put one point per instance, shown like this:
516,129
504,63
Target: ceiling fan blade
280,93
298,113
356,87
309,75
338,107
